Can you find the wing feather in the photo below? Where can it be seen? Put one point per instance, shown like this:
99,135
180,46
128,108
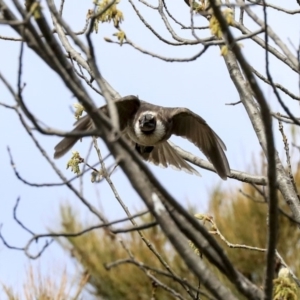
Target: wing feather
126,107
192,127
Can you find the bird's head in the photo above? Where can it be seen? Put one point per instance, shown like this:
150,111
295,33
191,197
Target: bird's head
147,122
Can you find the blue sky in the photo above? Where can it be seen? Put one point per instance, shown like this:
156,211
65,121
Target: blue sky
203,86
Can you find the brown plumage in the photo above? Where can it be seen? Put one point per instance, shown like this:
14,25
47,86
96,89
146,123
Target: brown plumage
149,126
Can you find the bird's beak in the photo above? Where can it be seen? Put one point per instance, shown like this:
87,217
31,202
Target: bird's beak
146,123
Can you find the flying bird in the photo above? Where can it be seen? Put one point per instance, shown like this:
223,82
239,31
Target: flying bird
148,127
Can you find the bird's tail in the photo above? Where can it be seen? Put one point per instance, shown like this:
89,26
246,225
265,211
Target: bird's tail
67,143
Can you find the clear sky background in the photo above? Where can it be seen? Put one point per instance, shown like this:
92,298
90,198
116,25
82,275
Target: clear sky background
203,86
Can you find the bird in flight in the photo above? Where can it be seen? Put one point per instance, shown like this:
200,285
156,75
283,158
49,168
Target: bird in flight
148,127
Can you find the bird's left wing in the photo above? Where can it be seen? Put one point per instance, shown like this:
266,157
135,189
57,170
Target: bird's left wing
192,127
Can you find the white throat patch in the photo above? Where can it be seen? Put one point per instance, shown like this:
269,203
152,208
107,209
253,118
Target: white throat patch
149,139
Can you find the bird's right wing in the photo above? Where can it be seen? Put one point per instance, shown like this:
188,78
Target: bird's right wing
126,107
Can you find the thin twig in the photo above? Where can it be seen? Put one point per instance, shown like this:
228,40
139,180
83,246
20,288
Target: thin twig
288,158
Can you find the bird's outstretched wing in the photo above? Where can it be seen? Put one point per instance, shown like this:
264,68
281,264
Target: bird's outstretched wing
126,107
164,155
192,127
